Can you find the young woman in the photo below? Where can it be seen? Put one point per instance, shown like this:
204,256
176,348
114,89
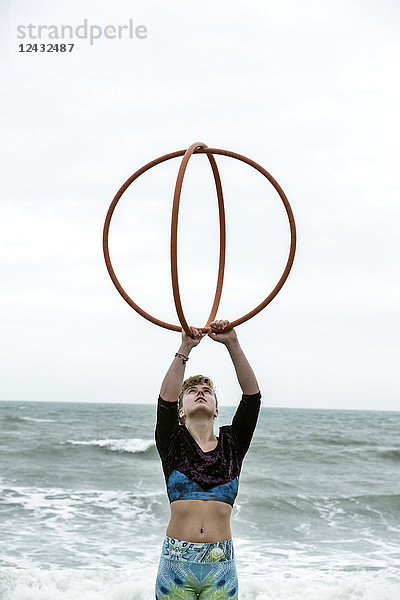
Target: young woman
201,473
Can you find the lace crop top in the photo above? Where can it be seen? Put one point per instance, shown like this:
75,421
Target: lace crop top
191,473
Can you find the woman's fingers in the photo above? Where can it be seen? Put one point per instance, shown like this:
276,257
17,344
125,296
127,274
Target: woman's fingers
196,333
193,338
218,332
220,324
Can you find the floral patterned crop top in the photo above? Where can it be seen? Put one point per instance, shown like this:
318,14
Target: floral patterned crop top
191,473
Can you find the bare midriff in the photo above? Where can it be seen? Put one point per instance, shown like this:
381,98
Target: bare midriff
200,521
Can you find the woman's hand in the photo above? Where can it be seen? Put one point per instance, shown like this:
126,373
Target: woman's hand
190,342
224,337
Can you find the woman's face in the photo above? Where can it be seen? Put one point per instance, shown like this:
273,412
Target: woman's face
198,399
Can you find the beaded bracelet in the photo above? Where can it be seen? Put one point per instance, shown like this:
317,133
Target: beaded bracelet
183,357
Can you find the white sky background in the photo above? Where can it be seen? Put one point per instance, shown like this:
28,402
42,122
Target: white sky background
308,89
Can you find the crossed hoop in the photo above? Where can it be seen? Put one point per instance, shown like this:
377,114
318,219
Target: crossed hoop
199,148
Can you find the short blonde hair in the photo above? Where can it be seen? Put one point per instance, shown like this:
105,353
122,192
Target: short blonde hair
195,380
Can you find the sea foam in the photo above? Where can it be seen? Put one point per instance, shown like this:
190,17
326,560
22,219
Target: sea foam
133,445
135,584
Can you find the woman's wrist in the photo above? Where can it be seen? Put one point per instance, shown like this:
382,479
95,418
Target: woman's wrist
185,349
232,344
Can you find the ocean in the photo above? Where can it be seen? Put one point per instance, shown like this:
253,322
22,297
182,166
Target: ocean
83,506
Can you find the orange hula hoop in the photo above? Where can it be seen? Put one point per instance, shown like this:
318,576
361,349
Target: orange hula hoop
199,148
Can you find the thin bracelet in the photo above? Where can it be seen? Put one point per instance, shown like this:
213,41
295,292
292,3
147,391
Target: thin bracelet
183,357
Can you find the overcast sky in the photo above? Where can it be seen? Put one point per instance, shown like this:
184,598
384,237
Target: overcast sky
308,89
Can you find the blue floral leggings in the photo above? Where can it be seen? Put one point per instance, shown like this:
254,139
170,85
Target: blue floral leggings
196,571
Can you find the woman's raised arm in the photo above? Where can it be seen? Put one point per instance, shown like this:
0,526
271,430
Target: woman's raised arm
245,374
172,383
